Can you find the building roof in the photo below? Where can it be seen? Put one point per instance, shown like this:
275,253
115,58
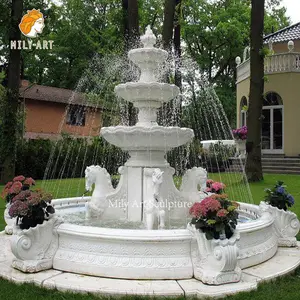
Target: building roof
52,94
286,34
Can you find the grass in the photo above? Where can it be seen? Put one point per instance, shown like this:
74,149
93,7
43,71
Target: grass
279,289
282,288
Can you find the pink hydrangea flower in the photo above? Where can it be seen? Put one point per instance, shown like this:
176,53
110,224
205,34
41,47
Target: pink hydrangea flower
16,187
29,181
195,210
19,178
217,186
23,195
18,208
222,213
202,208
34,199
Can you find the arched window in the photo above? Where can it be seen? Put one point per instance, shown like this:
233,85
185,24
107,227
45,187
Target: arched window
272,99
243,111
272,123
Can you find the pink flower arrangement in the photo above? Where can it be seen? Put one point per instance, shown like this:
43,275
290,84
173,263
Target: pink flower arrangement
240,133
14,187
29,207
215,215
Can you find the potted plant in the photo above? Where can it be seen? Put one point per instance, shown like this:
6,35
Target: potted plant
213,225
277,202
11,189
34,241
240,136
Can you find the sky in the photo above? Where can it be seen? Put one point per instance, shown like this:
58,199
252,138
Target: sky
293,9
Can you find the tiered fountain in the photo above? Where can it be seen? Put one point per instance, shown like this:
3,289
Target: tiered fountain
146,196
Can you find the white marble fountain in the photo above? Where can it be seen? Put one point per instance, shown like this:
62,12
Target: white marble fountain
146,196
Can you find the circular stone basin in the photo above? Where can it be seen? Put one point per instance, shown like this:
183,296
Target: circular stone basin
146,138
146,92
149,254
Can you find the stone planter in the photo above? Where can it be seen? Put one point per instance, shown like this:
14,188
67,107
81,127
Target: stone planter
215,261
241,148
34,248
286,225
10,222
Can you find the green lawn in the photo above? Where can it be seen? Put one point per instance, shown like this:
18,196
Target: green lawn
282,288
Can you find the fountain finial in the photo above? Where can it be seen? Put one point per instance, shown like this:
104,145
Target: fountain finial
148,39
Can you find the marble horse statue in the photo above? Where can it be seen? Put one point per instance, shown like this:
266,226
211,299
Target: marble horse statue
193,184
101,178
154,211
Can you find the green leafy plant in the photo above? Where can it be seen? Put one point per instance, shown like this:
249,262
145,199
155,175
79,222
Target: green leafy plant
279,197
216,216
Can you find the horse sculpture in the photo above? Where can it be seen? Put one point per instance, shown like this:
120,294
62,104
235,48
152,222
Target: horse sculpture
153,202
192,180
101,178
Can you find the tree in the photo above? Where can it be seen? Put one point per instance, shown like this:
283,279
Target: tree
215,32
254,119
168,24
131,40
10,109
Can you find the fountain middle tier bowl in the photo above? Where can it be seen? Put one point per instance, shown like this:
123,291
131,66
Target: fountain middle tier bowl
147,138
147,92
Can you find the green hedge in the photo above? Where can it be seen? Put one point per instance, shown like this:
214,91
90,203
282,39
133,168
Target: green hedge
68,157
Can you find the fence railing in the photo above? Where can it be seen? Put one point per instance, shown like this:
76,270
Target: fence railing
277,63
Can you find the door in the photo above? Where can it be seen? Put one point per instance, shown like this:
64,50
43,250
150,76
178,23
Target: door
272,129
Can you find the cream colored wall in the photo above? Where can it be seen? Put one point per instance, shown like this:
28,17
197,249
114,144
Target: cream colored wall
242,89
282,47
287,85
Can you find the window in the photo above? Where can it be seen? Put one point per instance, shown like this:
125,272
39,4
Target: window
272,99
76,115
243,111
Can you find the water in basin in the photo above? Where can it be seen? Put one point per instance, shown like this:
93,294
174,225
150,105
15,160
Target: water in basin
77,216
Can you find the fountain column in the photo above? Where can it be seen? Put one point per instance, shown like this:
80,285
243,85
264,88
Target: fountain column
147,143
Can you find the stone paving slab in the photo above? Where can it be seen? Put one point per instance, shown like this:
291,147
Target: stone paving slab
110,286
284,262
193,287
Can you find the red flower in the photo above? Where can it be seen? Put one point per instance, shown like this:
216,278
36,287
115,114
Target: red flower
19,178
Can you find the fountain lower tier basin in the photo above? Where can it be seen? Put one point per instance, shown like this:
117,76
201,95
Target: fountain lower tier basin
151,254
147,94
147,138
